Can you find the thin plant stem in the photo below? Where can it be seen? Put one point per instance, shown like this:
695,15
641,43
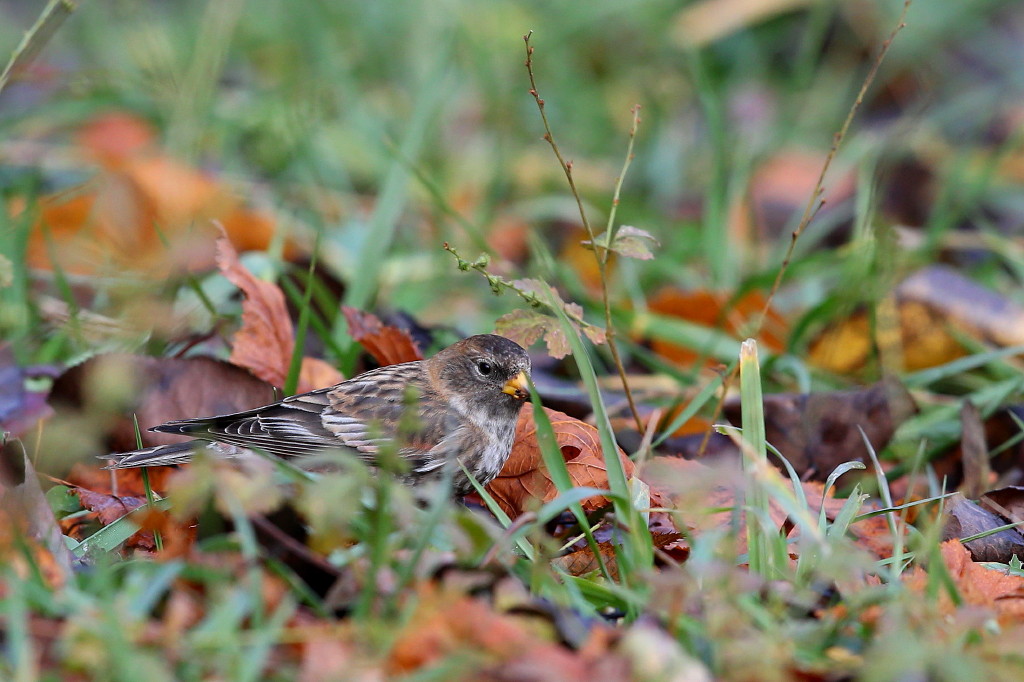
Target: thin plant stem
815,201
814,204
602,261
150,498
610,229
499,284
52,16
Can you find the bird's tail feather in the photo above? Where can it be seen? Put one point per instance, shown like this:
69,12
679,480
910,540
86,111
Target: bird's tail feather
158,455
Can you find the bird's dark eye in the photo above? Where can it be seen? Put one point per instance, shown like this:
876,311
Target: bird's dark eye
484,367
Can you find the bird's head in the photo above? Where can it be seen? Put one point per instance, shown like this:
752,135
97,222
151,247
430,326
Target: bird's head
487,371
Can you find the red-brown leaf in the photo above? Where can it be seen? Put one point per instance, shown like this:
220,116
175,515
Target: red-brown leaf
525,478
108,508
264,343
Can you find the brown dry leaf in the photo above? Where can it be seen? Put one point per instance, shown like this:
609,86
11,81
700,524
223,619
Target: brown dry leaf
525,480
582,561
965,518
388,345
717,310
316,373
1008,502
978,476
108,508
178,537
144,212
817,432
977,585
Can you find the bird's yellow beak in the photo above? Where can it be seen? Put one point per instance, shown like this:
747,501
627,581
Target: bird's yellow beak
518,387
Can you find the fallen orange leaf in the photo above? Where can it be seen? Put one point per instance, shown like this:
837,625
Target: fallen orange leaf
717,310
144,212
922,325
977,585
444,624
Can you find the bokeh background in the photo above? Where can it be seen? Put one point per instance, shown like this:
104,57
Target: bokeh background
374,132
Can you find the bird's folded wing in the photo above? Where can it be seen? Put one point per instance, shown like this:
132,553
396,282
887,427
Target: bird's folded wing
360,415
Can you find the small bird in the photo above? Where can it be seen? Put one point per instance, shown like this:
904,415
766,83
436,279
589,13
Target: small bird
460,405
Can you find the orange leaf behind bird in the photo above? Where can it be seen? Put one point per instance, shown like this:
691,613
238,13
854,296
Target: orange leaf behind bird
388,345
719,311
265,342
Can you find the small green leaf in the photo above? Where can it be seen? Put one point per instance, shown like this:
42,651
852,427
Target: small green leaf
61,501
629,241
524,327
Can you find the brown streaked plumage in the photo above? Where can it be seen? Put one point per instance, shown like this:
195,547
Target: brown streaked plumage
461,404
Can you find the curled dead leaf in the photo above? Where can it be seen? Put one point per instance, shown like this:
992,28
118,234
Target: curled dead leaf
818,432
965,519
108,508
265,341
388,345
444,624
